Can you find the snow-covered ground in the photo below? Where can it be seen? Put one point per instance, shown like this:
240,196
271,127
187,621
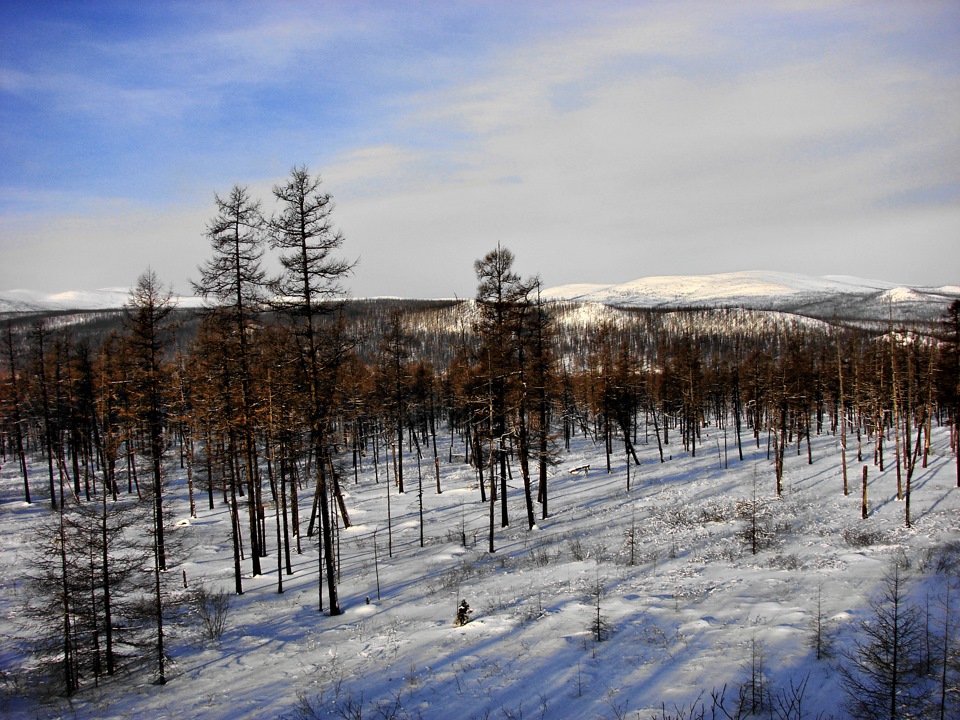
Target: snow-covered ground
683,618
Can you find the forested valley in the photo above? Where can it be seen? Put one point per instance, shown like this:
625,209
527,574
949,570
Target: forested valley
280,403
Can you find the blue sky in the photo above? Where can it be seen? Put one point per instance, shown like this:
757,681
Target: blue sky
601,142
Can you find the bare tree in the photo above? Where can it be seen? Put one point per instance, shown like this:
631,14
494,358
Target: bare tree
87,571
882,672
235,280
502,300
15,411
950,373
148,314
306,238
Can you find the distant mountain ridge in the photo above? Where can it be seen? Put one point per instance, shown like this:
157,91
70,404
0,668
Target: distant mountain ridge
16,301
825,297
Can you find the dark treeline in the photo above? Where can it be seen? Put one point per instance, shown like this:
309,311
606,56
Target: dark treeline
269,406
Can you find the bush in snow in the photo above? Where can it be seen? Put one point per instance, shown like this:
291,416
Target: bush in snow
212,609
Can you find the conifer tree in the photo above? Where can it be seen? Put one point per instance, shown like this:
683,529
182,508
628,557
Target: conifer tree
147,318
16,417
393,382
235,280
950,372
500,295
309,287
882,673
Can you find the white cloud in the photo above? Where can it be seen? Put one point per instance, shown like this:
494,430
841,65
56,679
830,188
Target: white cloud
666,138
658,158
109,243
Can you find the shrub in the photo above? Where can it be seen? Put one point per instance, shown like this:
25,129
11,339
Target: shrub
862,537
212,609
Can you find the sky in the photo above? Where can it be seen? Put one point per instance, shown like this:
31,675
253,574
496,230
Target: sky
600,142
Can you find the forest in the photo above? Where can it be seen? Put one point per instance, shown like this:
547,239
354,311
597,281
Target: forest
280,396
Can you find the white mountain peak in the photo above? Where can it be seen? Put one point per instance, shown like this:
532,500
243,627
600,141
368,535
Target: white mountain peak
110,298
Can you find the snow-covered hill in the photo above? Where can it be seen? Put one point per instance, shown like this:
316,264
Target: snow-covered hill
102,299
828,296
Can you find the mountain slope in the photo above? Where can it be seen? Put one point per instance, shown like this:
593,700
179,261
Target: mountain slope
828,296
15,301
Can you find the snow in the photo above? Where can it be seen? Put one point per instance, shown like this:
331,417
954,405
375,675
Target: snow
901,294
102,299
678,290
826,296
582,315
682,618
23,301
574,291
753,289
859,284
111,298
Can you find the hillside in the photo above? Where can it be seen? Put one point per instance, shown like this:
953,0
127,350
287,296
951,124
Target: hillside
685,605
822,297
826,297
30,301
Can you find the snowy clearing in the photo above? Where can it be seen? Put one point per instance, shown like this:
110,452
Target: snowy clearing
681,620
